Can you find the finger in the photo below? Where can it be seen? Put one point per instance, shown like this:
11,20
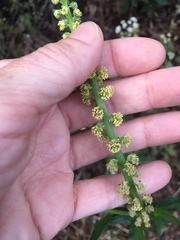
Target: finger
131,56
157,89
145,132
48,75
99,194
5,62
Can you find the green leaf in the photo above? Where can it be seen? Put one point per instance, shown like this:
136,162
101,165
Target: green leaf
162,2
100,226
136,233
167,216
158,223
119,219
125,5
119,211
170,204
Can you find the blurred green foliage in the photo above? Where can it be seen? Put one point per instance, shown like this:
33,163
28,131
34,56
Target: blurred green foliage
21,26
144,6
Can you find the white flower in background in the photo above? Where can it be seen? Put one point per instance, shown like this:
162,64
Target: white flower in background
118,29
135,25
124,25
171,55
129,28
133,19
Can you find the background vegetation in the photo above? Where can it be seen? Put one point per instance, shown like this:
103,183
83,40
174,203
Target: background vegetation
27,25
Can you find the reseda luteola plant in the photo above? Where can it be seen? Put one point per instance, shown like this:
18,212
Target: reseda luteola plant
95,92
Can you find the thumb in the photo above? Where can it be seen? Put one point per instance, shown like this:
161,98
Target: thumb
51,73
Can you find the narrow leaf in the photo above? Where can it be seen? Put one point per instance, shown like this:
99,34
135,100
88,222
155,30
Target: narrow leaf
158,223
119,211
168,216
119,219
136,233
100,226
170,204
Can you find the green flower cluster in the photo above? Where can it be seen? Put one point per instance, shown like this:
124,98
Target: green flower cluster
139,207
115,145
69,16
99,131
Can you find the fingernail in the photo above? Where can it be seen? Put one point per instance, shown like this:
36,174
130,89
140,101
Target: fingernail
86,32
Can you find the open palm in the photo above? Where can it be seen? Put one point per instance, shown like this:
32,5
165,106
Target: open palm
38,110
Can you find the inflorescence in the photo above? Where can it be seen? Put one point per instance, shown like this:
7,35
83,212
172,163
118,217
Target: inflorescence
69,16
139,204
95,92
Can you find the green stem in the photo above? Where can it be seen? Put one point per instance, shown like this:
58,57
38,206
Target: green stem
69,17
111,135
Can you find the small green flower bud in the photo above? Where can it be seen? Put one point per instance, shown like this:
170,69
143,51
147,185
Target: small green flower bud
128,199
64,10
102,73
55,2
86,99
85,89
147,199
132,213
112,166
130,169
62,24
99,132
106,92
136,205
140,186
114,145
116,119
97,113
126,140
76,24
123,189
73,5
57,13
77,12
149,208
133,158
93,75
146,219
66,34
138,222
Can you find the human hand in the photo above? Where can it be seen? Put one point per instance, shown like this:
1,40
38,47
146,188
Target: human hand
38,110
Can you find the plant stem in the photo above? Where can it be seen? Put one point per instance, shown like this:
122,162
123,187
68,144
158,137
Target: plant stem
111,135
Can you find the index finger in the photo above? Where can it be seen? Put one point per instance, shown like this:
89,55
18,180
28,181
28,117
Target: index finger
132,56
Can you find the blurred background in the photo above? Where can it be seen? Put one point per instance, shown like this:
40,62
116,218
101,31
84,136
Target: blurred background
28,25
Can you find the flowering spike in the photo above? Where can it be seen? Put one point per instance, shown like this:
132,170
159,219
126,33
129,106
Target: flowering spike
139,207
